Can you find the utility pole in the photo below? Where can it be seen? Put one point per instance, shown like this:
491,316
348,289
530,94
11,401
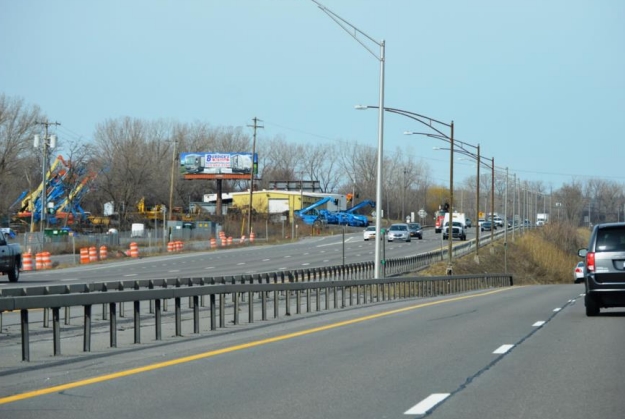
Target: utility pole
171,181
48,142
254,166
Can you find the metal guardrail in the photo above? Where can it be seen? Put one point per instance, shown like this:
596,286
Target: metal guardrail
347,283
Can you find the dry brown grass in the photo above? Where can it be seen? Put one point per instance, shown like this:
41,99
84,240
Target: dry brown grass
545,255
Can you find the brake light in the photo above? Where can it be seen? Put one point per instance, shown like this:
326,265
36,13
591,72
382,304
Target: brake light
590,261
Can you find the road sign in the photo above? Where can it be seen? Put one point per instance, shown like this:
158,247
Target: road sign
422,213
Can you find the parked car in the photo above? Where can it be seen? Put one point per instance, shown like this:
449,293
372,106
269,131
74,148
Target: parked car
578,273
415,230
604,270
369,233
398,232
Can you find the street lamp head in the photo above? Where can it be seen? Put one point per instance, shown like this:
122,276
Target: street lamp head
362,107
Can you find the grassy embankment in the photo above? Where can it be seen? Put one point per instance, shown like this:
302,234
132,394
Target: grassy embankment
545,255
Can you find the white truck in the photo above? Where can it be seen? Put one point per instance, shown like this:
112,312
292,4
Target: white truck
457,216
542,218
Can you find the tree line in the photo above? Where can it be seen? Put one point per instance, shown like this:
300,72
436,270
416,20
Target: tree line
132,159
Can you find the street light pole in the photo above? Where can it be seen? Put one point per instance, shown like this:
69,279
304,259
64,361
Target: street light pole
345,25
249,213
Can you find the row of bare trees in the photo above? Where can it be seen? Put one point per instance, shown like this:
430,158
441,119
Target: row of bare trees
132,159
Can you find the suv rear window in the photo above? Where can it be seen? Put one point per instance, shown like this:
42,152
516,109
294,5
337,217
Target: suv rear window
610,240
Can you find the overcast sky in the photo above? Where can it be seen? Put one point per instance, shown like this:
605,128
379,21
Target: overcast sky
540,85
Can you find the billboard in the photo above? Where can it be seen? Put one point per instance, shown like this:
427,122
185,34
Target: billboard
218,165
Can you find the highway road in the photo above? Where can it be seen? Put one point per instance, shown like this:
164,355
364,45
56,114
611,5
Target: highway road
521,352
309,252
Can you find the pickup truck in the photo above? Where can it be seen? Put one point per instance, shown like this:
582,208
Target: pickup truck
457,231
10,258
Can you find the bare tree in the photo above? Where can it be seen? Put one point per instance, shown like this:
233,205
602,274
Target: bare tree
17,128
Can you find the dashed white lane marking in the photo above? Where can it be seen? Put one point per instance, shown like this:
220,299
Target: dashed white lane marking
240,263
503,349
175,270
426,404
538,324
305,264
287,256
555,310
266,260
282,269
131,275
327,260
210,267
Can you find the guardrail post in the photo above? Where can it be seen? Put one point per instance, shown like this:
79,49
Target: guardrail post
87,329
56,330
213,312
25,335
251,302
196,314
137,318
158,327
113,325
67,315
222,310
46,317
263,304
178,316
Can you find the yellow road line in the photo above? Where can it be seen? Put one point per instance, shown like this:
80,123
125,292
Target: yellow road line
152,367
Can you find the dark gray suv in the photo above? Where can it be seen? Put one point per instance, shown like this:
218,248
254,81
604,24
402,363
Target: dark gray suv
604,272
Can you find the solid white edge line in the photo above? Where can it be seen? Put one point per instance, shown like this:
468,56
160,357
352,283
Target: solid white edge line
426,404
503,349
557,309
538,324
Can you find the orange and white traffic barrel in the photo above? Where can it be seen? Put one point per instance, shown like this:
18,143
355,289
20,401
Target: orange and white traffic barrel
103,252
134,250
213,242
170,247
242,241
38,261
46,260
84,255
93,254
27,262
252,236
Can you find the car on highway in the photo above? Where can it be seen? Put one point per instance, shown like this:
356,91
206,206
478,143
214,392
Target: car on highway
578,273
467,223
604,270
415,230
369,233
487,226
398,232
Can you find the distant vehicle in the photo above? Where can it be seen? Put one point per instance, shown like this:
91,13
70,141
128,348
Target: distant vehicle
578,273
439,220
604,271
457,231
369,233
468,223
540,223
415,230
487,226
398,232
480,222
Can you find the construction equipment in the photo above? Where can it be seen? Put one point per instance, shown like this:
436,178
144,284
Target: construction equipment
311,216
64,186
348,217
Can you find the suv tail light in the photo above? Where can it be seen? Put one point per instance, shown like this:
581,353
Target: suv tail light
590,261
